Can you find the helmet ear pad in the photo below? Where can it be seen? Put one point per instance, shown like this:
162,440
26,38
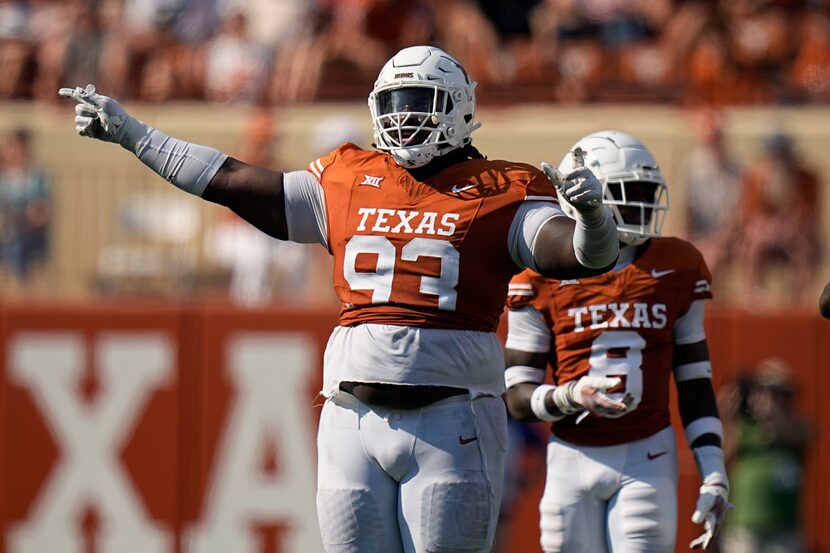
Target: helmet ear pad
422,106
634,188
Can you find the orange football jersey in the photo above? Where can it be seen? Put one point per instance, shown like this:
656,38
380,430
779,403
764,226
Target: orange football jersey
426,254
619,324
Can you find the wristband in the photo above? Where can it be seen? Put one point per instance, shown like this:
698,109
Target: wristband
564,400
537,403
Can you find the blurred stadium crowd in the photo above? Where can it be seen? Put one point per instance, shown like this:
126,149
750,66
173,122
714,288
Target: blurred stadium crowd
709,54
274,51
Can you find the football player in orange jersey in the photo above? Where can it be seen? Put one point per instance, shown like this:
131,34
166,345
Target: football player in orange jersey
613,342
425,234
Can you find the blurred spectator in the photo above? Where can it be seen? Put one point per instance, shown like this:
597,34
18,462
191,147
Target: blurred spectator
713,51
236,67
88,50
24,207
261,269
760,41
352,39
709,72
614,42
271,23
778,218
765,446
15,49
685,26
712,182
464,30
811,68
50,25
246,252
164,61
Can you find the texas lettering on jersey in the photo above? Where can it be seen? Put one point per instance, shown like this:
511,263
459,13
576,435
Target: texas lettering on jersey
619,315
397,221
619,324
430,254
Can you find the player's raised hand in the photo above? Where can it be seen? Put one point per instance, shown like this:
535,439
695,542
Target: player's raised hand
580,188
712,504
96,115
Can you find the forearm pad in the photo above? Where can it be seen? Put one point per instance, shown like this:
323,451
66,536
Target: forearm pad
187,166
595,241
710,465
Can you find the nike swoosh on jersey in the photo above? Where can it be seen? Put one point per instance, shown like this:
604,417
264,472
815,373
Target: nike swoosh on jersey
652,456
456,189
464,441
657,274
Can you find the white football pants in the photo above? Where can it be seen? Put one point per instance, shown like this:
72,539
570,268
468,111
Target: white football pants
425,480
614,499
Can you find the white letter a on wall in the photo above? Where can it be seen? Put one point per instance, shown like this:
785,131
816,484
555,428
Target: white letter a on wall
270,375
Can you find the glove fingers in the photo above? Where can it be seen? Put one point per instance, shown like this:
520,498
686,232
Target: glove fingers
85,110
610,405
579,172
582,195
83,122
605,382
553,174
84,125
96,100
700,542
85,96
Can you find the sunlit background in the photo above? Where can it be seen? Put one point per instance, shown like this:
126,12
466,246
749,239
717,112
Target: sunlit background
104,267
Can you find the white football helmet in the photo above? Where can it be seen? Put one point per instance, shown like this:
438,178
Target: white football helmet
633,186
423,105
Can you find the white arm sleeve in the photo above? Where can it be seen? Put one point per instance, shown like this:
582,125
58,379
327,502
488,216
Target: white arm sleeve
688,328
527,330
596,242
187,166
529,219
305,208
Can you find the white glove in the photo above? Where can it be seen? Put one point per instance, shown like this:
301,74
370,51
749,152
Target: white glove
99,116
712,504
580,188
589,393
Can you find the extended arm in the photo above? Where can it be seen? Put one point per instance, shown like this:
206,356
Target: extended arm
255,194
701,423
559,240
585,246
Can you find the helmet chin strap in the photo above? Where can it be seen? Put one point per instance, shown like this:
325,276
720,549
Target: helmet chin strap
413,158
632,239
409,159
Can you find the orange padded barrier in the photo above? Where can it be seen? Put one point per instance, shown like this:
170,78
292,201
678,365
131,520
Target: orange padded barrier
138,427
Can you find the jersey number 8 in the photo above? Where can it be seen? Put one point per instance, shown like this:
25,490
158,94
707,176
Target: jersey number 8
620,353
